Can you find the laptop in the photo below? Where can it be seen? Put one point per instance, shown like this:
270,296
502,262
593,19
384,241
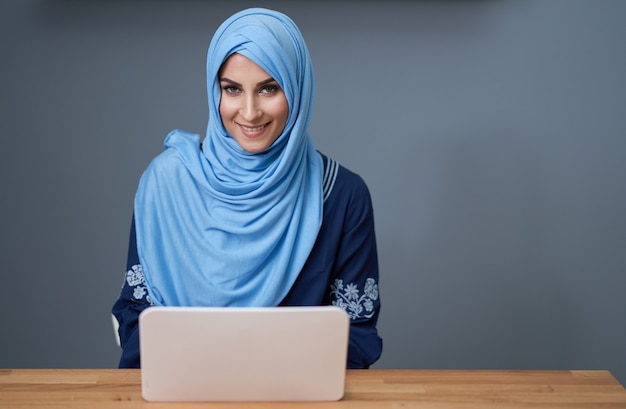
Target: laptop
204,354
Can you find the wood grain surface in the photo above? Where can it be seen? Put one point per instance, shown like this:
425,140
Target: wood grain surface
394,389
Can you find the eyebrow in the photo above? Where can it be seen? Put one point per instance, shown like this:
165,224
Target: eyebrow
264,82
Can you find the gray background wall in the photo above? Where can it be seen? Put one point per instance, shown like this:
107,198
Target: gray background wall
492,135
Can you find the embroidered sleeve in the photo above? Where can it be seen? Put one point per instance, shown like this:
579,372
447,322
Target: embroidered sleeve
350,298
135,280
354,285
133,299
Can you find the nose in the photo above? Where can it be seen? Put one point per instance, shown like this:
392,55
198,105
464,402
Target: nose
250,109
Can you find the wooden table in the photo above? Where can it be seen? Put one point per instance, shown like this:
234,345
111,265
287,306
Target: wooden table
121,388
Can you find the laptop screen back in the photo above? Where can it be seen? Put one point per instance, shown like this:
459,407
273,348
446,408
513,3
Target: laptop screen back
243,354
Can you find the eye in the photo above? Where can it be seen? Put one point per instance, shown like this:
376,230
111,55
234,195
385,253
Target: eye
231,89
269,89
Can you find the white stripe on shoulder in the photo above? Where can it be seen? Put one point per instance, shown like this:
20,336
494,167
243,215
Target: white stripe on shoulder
330,175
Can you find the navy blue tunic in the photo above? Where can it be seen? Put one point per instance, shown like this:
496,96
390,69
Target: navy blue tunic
341,270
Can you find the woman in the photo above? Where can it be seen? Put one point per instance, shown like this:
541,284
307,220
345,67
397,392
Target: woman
253,215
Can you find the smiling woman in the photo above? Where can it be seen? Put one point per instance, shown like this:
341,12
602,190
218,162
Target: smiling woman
254,215
253,107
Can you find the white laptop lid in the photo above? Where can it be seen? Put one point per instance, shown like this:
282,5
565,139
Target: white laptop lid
243,354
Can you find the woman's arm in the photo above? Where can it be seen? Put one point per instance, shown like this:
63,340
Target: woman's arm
132,301
355,284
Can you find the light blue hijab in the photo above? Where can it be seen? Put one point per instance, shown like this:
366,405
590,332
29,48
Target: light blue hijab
220,226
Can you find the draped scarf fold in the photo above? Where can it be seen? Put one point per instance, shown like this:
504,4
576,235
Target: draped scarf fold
220,226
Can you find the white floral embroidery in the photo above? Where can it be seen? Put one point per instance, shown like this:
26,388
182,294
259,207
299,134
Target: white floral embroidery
135,278
348,298
139,292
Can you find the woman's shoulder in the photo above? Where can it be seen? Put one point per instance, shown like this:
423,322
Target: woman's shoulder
339,182
180,146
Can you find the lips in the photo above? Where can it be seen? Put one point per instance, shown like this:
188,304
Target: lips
253,131
251,128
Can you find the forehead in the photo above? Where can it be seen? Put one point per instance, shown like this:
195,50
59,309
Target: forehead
237,65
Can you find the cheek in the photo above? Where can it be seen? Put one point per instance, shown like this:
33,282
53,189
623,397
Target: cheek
281,111
225,109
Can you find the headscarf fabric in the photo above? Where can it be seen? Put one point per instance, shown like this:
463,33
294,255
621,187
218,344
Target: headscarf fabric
220,226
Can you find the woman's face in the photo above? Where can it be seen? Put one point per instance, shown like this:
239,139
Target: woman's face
253,107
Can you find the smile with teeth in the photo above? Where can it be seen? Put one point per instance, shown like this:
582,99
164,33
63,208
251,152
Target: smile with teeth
252,129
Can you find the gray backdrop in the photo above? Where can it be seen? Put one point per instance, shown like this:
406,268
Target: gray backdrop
492,135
